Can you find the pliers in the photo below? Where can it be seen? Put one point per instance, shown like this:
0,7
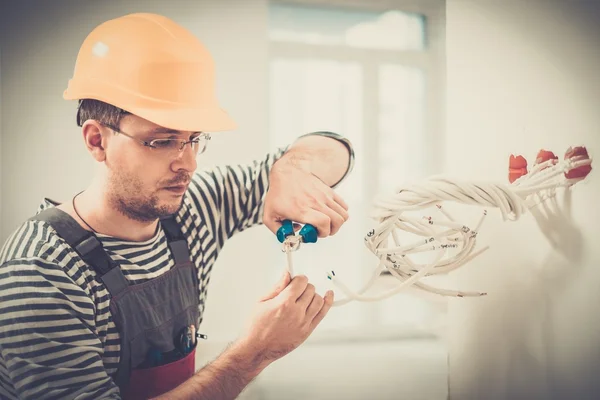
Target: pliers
291,242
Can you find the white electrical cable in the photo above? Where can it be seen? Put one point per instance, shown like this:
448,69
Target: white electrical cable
443,235
452,243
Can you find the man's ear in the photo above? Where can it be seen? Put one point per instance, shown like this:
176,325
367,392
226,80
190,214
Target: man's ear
95,140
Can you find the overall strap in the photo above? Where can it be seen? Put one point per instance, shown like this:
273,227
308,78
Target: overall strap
176,240
87,245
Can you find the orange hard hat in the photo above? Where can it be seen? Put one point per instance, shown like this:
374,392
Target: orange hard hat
150,66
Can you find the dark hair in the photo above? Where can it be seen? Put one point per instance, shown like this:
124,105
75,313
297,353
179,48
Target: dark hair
100,111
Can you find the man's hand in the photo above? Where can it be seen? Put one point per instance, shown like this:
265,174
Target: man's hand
284,320
295,193
286,317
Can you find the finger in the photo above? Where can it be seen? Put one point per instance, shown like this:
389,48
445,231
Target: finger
328,302
319,220
305,299
335,220
296,287
271,223
338,199
338,208
282,284
315,306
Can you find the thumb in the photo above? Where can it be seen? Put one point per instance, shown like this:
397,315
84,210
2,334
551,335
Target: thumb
282,284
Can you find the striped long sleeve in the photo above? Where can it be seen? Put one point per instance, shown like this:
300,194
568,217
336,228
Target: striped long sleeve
237,192
49,346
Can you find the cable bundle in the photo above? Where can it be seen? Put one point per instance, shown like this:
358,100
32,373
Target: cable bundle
450,243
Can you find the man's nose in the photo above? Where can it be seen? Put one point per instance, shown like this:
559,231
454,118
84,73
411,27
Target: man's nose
186,159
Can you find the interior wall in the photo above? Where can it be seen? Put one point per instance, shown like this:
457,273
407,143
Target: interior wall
521,76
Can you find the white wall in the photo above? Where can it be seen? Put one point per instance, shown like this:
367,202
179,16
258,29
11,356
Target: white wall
523,75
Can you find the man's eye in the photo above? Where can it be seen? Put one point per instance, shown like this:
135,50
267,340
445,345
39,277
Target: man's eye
165,143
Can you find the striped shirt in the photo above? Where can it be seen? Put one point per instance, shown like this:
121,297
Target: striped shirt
57,335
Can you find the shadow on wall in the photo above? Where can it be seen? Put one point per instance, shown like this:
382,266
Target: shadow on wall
518,342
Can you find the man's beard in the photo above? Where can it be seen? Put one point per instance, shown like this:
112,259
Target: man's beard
144,209
127,197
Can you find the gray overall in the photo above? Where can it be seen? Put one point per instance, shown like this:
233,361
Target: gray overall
149,316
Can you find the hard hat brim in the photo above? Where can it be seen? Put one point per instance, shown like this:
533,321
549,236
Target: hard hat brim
195,120
181,118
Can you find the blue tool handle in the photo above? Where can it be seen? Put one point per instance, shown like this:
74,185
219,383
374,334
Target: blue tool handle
286,229
308,232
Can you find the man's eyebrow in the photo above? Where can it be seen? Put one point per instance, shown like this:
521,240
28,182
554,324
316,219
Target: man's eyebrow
160,129
167,131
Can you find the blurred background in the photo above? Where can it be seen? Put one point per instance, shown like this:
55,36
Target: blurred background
421,87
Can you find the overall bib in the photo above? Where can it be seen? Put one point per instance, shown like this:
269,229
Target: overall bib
151,317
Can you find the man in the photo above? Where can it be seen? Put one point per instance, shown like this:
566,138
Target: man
102,295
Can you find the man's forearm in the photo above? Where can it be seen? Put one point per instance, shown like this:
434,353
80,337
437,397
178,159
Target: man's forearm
223,379
325,157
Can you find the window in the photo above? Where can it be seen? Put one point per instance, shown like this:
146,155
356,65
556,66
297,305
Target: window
390,30
375,76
